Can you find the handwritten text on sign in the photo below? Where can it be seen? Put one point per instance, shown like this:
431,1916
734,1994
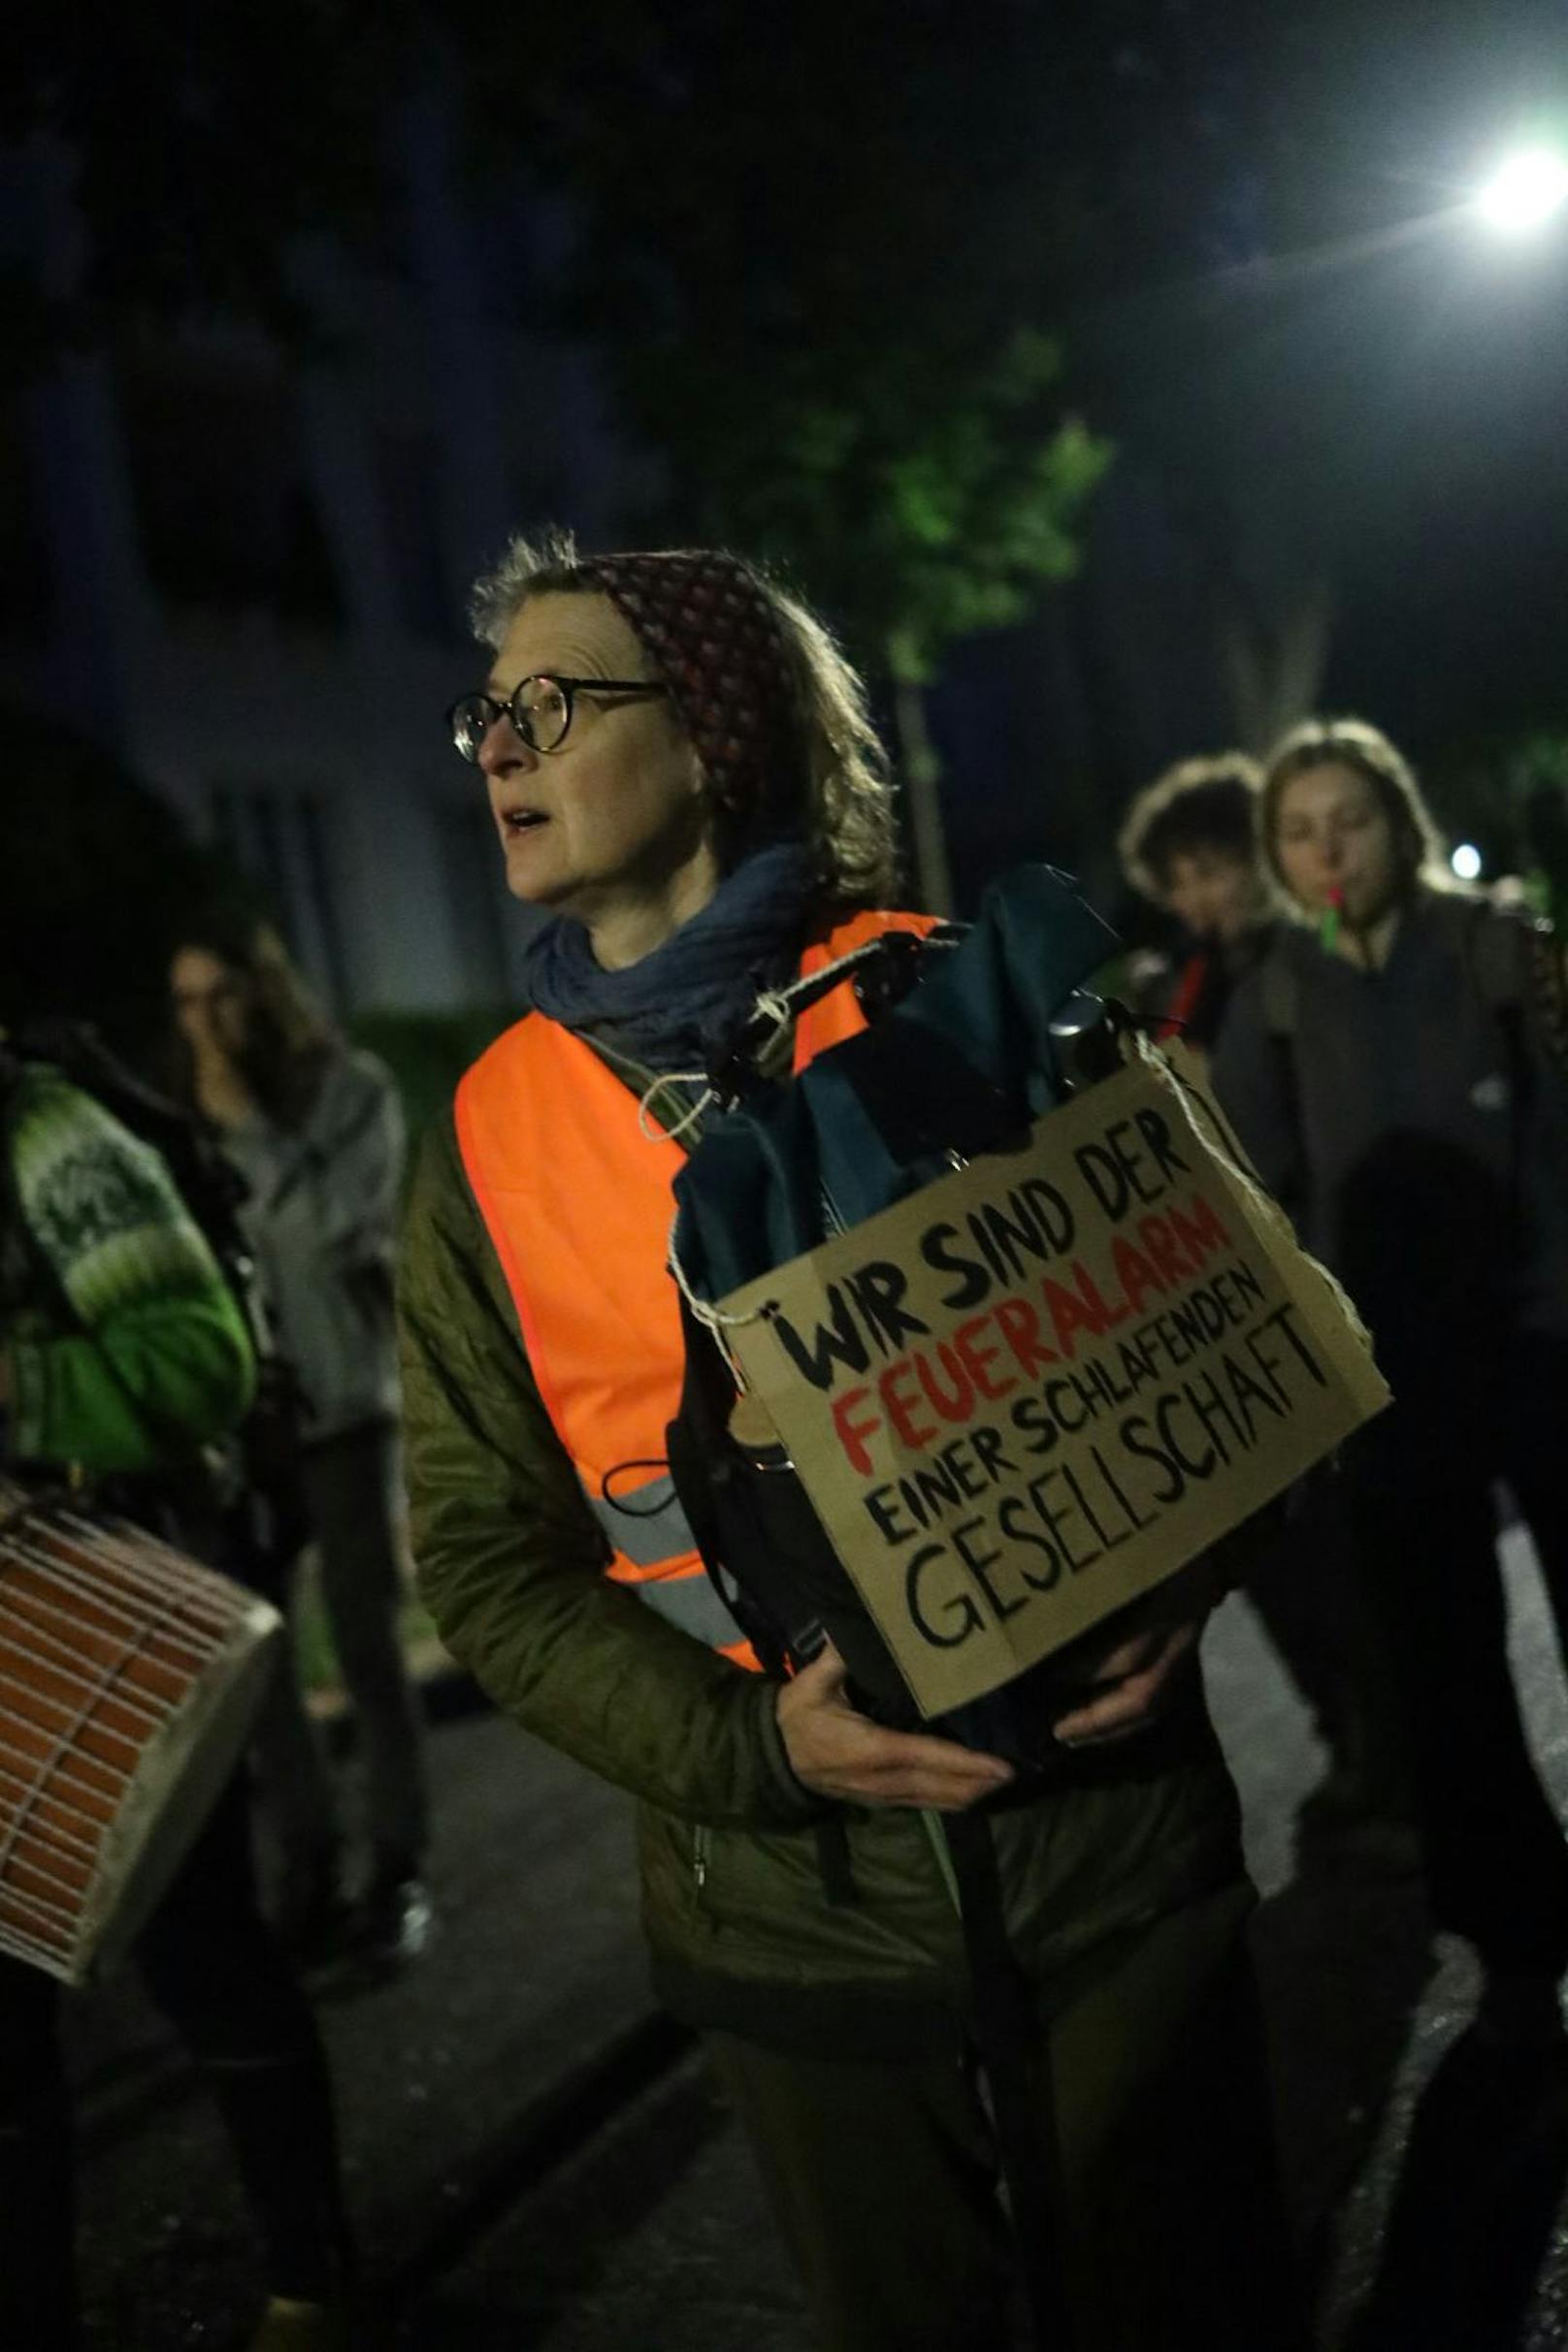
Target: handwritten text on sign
1049,1381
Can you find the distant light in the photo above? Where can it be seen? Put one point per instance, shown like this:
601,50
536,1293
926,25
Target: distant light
1466,861
1525,191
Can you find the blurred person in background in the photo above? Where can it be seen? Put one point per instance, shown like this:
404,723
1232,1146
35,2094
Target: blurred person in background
1189,844
316,1134
1395,1067
123,1357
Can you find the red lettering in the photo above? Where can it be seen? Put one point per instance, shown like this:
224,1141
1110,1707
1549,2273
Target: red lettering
1020,1327
957,1402
975,1358
899,1409
1068,1314
1133,1273
1088,1291
852,1434
1161,1243
1201,1232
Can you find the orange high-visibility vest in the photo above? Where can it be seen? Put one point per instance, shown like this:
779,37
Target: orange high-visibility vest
577,1203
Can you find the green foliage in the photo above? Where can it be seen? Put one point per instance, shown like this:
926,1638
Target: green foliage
815,252
1536,781
427,1053
1539,762
921,502
815,249
1508,793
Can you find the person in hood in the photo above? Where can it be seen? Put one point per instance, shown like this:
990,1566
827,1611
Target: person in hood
1395,1068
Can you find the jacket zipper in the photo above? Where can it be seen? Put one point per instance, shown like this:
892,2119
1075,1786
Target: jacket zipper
702,1848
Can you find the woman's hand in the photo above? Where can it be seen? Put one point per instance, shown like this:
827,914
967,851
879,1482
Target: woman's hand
835,1751
1119,1688
1126,1688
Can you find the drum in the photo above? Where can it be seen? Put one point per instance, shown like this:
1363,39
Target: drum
129,1679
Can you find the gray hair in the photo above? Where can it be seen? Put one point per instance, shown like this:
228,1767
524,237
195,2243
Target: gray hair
841,800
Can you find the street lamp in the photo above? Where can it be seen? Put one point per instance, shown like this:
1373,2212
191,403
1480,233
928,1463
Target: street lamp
1525,191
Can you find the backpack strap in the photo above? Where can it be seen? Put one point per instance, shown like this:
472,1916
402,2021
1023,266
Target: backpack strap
884,970
1015,2057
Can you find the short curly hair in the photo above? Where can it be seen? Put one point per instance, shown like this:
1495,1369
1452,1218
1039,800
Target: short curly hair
1198,804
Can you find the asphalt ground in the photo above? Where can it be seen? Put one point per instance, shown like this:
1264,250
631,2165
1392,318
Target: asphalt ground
537,2162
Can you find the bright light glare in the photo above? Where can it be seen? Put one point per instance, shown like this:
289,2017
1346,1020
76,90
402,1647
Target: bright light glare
1525,191
1466,861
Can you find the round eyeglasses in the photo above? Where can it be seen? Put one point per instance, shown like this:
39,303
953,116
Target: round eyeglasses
538,709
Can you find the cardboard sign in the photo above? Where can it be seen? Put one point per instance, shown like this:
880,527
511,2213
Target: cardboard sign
1051,1379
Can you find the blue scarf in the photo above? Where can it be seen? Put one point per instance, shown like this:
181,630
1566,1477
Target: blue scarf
673,1006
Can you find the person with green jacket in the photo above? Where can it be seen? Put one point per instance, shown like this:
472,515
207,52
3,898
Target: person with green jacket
122,1351
123,1357
682,771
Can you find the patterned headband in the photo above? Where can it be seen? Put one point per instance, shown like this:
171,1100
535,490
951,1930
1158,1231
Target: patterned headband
714,639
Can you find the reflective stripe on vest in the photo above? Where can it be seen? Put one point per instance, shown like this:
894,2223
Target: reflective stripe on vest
577,1200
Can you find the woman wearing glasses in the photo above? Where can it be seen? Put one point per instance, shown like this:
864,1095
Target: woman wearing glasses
680,768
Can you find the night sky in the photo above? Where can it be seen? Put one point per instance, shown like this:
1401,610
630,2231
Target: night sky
1248,236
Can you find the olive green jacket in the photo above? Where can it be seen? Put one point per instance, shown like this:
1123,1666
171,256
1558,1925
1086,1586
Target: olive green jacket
750,1929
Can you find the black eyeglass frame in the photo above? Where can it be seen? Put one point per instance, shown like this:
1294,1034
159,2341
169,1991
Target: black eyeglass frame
518,720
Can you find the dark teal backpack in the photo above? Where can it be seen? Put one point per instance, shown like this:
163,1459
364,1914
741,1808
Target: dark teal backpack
970,1038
